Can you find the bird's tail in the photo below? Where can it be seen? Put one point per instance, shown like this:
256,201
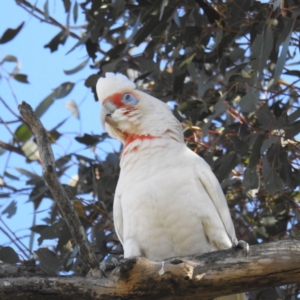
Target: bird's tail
233,297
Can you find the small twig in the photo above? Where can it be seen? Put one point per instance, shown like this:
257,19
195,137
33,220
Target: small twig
14,239
11,148
51,20
5,104
58,192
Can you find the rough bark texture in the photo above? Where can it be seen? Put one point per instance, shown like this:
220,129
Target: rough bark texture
195,277
56,188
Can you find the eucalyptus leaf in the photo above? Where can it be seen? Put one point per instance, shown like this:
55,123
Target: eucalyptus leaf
8,255
48,261
11,209
78,68
10,33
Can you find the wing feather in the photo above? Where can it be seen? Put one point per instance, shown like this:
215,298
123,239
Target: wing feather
214,190
118,217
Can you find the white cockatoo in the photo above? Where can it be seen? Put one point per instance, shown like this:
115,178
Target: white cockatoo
168,202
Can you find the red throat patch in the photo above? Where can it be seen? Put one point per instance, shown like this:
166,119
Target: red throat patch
134,137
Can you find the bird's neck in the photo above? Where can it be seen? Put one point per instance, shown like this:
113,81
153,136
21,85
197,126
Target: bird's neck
137,142
134,142
130,138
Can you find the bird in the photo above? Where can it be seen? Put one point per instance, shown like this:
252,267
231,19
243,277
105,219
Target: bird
167,202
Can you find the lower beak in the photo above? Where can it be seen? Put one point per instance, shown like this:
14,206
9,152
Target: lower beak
103,115
106,113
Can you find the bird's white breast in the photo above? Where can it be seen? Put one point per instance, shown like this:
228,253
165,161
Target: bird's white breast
164,206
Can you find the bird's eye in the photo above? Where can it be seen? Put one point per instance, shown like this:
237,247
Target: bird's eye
129,99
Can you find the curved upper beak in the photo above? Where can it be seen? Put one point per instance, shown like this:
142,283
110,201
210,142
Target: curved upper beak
107,110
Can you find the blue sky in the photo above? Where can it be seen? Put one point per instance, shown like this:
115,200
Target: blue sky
45,72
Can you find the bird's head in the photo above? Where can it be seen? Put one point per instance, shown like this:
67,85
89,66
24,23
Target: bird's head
128,112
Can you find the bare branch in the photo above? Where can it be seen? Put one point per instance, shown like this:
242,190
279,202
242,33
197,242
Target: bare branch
30,8
11,148
195,277
14,239
56,188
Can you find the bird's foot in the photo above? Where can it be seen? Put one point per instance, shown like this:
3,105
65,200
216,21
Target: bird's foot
242,245
108,266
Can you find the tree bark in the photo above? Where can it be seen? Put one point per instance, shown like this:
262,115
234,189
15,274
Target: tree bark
195,277
58,192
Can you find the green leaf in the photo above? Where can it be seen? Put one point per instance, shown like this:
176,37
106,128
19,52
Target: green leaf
21,78
2,151
229,162
65,236
8,255
240,146
9,58
273,183
162,8
187,60
59,39
251,178
76,69
44,105
92,80
28,173
87,139
146,30
23,133
75,12
99,236
63,90
219,108
67,5
294,116
134,30
293,130
46,10
267,119
261,49
268,143
9,34
283,54
48,232
63,160
48,261
248,103
53,135
292,72
82,41
10,176
256,148
11,209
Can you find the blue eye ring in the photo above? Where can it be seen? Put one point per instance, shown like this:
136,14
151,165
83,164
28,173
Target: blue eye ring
129,99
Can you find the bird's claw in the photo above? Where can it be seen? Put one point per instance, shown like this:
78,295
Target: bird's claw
242,245
108,266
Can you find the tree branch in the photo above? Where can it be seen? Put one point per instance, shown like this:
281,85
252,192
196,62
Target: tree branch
195,277
56,188
24,4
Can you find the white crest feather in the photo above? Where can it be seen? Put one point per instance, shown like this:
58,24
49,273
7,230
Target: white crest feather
113,83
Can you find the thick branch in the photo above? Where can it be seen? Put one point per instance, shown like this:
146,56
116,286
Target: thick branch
195,277
56,188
